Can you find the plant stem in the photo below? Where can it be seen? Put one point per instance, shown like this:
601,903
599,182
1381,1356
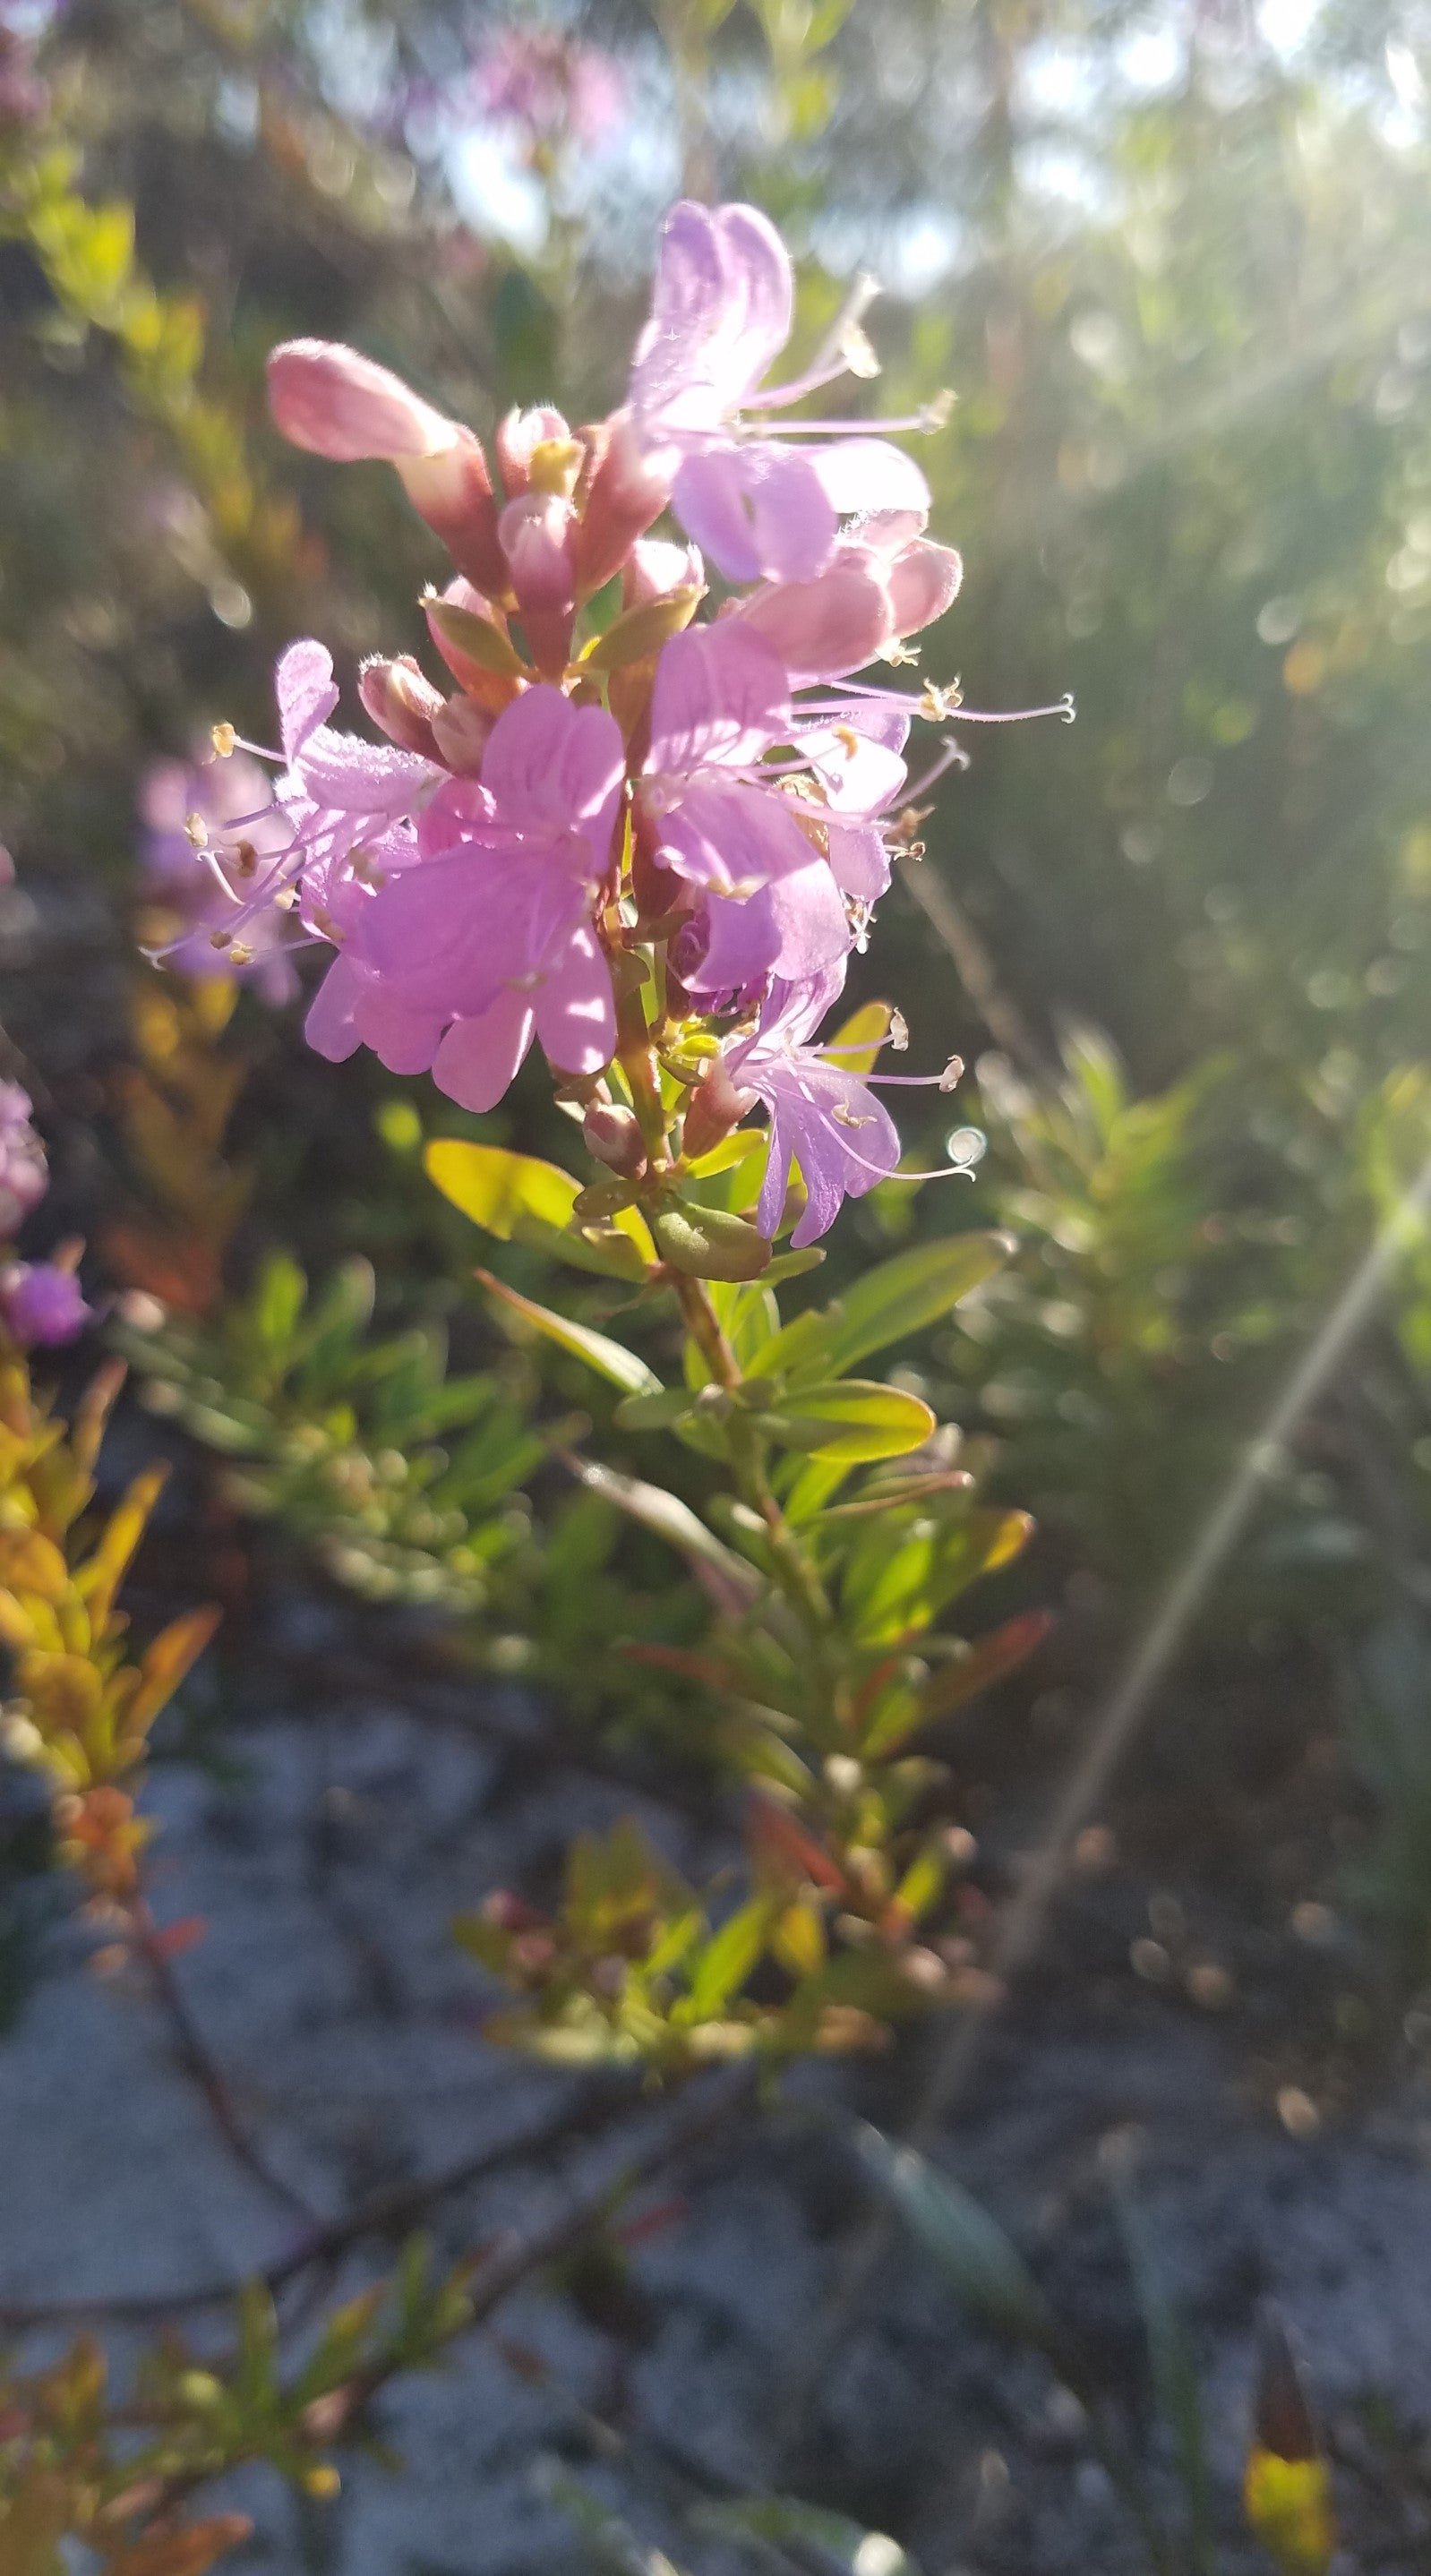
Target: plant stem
797,1575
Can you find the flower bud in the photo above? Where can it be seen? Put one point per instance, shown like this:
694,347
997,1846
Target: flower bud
460,729
655,568
626,493
538,538
402,702
613,1135
714,1108
336,403
518,440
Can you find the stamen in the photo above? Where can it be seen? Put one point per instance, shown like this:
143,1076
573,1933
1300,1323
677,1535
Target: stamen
921,423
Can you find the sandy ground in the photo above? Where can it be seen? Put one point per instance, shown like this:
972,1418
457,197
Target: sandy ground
328,1871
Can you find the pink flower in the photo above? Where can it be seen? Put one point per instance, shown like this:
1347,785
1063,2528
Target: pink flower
760,507
345,801
825,1117
335,402
705,806
884,581
487,938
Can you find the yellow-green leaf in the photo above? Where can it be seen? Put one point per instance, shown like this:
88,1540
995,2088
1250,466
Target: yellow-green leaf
640,632
522,1200
902,1296
610,1360
853,1419
708,1243
857,1041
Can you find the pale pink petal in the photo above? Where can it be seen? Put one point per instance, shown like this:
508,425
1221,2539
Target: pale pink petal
329,1026
924,581
306,693
576,1011
823,628
867,474
479,1058
721,698
549,765
760,511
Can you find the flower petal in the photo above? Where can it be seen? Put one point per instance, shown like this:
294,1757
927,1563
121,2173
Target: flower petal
306,693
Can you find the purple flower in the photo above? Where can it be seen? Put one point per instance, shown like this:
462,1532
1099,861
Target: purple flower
760,507
705,807
40,1303
210,828
487,938
820,1114
885,580
24,1174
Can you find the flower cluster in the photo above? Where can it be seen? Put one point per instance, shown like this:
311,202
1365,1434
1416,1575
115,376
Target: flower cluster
621,828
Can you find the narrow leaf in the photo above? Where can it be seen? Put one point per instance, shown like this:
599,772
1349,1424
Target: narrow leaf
611,1360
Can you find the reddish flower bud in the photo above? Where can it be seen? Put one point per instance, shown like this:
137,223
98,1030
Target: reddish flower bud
538,537
471,635
625,495
402,702
460,730
519,435
339,404
613,1135
715,1107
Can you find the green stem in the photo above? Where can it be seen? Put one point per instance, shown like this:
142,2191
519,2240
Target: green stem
797,1575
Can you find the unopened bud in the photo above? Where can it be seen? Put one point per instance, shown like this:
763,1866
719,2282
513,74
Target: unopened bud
401,701
460,730
538,538
626,494
613,1135
655,569
519,440
336,403
715,1107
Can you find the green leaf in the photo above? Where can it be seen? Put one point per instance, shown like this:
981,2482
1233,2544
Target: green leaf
770,2521
856,1419
962,2241
521,1200
640,632
804,1343
497,1189
673,1521
727,1961
279,1301
476,638
915,1289
1175,2379
611,1360
708,1243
